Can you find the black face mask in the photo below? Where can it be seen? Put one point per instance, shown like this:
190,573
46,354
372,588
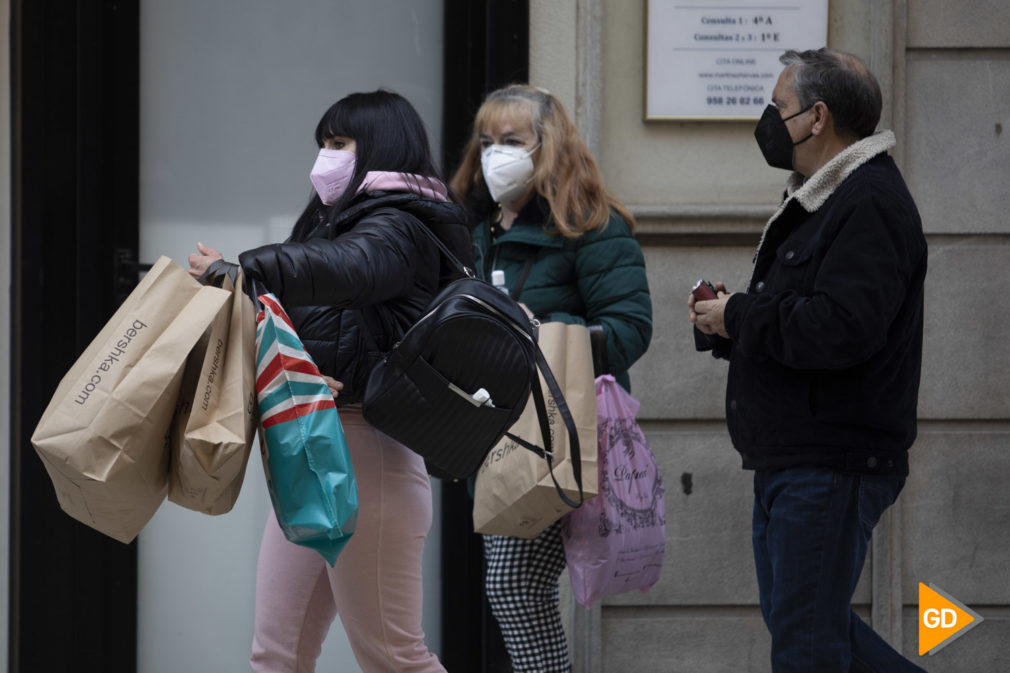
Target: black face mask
774,140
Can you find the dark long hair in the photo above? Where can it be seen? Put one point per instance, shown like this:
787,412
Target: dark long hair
389,136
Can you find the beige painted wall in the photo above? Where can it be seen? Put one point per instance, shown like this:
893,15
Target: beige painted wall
702,193
552,48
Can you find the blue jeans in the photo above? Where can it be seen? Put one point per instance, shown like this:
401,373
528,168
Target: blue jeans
812,527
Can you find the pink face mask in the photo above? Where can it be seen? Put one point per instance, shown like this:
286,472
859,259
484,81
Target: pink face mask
331,174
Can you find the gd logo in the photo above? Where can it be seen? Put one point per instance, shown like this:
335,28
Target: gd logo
942,619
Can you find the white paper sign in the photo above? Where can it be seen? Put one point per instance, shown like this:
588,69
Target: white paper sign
712,59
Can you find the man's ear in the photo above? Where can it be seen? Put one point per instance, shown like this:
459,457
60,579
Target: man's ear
823,120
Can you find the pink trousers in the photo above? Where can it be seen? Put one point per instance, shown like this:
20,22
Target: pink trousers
375,586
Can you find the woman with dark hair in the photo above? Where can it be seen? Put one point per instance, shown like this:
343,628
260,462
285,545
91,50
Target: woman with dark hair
357,257
563,244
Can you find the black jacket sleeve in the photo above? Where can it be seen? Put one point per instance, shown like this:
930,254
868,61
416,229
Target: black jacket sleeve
721,347
373,262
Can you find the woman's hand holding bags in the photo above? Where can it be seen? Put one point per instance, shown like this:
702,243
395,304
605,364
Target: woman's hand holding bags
103,436
215,424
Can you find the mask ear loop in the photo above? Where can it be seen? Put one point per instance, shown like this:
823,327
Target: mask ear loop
806,109
797,114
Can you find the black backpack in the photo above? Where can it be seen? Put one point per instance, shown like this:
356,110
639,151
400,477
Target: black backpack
459,378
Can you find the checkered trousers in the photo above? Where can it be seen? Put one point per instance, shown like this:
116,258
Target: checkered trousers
522,588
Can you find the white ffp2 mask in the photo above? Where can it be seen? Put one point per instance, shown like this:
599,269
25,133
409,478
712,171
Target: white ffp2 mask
507,171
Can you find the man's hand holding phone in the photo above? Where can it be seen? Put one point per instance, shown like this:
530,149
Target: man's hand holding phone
703,291
706,304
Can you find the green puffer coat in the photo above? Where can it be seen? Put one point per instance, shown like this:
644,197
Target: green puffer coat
598,277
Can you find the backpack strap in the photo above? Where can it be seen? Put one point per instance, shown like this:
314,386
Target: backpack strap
359,313
443,248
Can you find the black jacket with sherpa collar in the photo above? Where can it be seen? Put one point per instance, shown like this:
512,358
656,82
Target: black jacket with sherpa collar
826,344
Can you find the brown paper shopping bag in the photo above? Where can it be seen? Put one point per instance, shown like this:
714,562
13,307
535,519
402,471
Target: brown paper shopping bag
215,423
515,493
103,437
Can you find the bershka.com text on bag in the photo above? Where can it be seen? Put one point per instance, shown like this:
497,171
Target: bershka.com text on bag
105,365
214,366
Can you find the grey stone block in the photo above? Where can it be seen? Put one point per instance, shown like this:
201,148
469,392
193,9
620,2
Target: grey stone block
956,515
967,330
691,640
967,23
712,641
681,382
708,558
709,500
957,139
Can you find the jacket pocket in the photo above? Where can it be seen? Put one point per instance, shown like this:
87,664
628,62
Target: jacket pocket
792,269
794,254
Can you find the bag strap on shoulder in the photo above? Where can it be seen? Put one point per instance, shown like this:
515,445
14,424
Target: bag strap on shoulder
463,270
359,313
547,453
530,259
458,265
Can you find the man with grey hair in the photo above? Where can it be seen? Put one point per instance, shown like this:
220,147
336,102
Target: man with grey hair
825,349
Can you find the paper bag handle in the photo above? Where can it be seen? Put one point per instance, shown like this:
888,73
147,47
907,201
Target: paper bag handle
573,436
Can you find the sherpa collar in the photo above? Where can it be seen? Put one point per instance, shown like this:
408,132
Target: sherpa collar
811,194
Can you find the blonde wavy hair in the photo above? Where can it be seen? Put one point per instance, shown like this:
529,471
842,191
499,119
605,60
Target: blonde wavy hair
566,174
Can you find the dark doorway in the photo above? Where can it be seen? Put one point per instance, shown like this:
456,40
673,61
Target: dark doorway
75,112
486,47
75,158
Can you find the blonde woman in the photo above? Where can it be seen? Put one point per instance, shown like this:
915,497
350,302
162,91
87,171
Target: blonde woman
543,218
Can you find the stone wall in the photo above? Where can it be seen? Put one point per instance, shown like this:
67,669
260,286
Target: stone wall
702,193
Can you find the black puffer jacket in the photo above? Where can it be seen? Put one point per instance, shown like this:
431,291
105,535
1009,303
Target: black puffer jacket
372,257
